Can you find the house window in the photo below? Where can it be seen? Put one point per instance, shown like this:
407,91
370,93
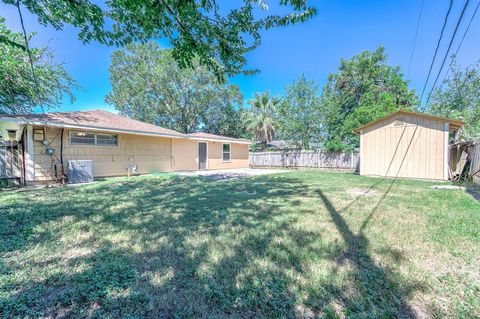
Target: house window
86,138
226,154
82,138
107,139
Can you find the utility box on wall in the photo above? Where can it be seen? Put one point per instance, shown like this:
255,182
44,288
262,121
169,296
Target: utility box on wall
80,171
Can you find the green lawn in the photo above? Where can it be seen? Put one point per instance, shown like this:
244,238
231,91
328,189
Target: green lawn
300,244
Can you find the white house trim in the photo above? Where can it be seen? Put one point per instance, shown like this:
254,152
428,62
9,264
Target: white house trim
29,166
445,156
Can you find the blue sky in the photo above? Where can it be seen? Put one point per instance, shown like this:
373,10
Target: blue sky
340,30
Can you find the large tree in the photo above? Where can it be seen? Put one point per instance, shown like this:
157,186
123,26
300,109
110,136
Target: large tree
148,85
364,89
227,117
26,84
218,33
299,115
262,117
459,97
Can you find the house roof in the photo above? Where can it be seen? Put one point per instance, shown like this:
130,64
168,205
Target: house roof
453,123
100,120
208,136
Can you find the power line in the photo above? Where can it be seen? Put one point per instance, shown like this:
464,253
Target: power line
436,49
460,44
446,53
416,127
415,39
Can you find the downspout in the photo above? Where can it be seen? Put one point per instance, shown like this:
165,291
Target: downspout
61,157
24,147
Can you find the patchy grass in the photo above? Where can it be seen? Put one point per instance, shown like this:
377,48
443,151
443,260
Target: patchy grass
301,244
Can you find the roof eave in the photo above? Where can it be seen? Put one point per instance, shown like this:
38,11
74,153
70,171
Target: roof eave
456,123
25,121
87,127
218,140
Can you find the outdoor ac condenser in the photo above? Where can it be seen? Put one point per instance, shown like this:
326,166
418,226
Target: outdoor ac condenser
80,171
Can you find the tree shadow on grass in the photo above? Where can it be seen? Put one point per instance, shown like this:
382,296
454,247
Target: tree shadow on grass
379,291
180,247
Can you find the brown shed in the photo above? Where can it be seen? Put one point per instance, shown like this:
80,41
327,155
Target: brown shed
406,144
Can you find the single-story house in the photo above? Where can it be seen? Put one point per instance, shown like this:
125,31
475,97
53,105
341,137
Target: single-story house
407,144
115,144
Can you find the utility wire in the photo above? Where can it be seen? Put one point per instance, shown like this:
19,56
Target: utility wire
459,21
417,126
436,49
454,56
415,39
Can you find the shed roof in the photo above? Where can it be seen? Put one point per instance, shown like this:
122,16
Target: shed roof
101,120
453,123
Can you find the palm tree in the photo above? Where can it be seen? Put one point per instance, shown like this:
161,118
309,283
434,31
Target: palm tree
261,118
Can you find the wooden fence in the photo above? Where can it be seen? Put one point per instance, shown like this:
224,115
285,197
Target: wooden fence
475,162
10,159
464,161
307,159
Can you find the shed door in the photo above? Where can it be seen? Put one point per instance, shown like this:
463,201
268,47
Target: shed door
202,155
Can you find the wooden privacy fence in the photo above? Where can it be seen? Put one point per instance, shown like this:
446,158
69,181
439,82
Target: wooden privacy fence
10,160
464,161
475,163
307,159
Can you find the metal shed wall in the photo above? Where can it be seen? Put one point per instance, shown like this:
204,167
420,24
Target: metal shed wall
405,145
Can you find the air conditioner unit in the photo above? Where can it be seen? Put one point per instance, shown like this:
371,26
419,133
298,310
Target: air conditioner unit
80,171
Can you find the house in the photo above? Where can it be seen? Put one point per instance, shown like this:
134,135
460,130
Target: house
117,145
407,144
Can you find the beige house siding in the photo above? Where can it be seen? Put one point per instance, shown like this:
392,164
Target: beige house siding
185,155
239,156
149,153
415,149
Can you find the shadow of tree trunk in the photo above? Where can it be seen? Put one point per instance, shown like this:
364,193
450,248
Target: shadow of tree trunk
377,287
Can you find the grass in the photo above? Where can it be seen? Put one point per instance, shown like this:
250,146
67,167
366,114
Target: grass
300,244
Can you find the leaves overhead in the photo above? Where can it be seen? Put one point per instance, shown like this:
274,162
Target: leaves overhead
218,33
149,86
20,91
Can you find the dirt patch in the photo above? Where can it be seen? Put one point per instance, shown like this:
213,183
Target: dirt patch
362,192
226,174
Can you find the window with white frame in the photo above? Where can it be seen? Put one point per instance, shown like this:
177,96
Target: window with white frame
226,154
106,139
87,138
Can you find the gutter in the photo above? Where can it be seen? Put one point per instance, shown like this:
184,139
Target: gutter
106,129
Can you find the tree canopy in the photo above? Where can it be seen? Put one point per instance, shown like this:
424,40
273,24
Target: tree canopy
148,85
364,89
459,97
299,114
23,89
218,33
262,118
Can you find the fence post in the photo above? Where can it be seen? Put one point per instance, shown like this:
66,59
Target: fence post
351,160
